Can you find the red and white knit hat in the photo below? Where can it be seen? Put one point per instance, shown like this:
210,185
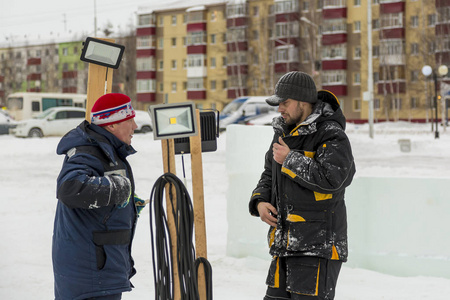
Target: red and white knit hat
112,108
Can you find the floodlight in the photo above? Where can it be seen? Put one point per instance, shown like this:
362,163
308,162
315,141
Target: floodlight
208,131
175,120
102,53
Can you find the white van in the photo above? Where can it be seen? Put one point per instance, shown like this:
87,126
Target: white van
243,108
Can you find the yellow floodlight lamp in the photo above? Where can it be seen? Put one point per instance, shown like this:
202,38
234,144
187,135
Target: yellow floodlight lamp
102,53
175,120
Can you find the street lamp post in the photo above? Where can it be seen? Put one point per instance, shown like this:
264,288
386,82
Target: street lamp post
442,71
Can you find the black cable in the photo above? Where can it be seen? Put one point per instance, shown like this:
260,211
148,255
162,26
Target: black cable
161,242
208,275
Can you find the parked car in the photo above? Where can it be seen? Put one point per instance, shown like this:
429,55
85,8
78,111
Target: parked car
6,122
265,119
55,121
143,121
243,108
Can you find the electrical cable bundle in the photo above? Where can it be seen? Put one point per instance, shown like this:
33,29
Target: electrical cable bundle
161,242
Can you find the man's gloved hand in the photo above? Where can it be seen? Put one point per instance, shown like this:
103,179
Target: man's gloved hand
140,204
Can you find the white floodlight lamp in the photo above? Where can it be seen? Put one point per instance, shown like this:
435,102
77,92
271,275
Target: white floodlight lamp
102,53
175,120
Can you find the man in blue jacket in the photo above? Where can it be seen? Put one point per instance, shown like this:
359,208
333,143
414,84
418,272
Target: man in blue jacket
301,191
96,213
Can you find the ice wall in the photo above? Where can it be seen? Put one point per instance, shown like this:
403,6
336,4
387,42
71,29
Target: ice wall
398,226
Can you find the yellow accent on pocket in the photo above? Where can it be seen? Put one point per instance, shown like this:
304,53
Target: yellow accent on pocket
317,283
288,172
321,197
309,154
256,194
295,218
277,275
334,255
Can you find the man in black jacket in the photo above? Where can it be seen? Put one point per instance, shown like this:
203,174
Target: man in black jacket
301,191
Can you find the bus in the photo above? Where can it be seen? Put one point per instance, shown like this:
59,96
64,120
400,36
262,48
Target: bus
24,105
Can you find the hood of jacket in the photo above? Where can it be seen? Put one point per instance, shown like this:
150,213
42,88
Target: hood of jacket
87,134
327,108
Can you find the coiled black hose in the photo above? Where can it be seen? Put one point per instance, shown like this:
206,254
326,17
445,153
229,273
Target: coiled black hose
161,242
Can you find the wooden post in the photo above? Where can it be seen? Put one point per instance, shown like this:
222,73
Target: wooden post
168,153
98,78
199,208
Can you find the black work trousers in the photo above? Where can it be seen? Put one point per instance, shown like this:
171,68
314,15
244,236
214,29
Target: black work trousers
302,278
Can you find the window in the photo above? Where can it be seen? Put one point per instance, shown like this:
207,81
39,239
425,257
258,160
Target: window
224,61
414,103
414,75
174,20
356,78
376,51
174,64
184,63
214,16
213,85
145,85
356,105
431,19
212,38
357,2
144,41
334,77
213,62
195,83
305,6
255,35
414,21
357,26
161,21
65,51
161,43
392,20
376,103
145,63
161,87
255,11
195,60
174,87
174,42
357,53
376,24
414,48
161,64
224,84
396,103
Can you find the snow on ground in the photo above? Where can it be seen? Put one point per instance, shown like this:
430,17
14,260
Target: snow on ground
28,171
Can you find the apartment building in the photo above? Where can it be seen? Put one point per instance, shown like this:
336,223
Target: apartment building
215,52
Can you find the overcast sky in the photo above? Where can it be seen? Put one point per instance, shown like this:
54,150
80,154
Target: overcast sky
30,19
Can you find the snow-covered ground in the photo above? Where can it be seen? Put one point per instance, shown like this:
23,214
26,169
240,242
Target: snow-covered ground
28,171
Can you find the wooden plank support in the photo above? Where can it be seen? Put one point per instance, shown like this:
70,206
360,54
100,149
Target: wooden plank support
198,202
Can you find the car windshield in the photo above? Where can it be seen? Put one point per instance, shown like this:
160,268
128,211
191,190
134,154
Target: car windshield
232,107
43,114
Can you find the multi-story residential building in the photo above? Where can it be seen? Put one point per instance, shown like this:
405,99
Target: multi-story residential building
237,48
55,67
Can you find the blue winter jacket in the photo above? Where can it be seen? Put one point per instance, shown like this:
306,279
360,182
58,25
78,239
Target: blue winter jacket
93,232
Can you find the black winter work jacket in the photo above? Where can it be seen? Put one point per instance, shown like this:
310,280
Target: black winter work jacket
308,189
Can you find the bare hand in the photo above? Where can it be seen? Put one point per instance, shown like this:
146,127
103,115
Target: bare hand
280,151
267,213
